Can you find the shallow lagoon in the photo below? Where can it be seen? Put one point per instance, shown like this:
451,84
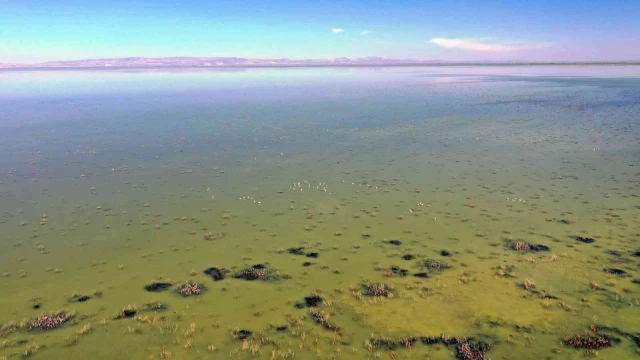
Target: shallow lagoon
112,180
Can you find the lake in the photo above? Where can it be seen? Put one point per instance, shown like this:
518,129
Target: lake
320,213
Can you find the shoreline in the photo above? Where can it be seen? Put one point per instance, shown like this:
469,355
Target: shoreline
44,68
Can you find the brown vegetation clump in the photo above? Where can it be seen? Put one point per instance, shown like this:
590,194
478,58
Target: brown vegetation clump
49,322
467,350
435,265
377,289
521,246
323,319
190,289
588,341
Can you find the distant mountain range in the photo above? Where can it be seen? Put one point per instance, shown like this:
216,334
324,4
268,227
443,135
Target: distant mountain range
142,62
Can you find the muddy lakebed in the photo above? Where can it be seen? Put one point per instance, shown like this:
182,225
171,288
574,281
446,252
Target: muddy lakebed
410,212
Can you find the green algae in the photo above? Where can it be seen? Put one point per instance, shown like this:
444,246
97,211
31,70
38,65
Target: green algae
162,194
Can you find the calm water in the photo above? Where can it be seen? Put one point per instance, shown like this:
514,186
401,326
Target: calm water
113,180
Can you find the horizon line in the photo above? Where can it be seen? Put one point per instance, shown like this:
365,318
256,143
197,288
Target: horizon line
239,62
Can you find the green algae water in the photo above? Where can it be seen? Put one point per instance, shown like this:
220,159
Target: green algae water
349,213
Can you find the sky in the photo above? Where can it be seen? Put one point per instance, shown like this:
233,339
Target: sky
533,30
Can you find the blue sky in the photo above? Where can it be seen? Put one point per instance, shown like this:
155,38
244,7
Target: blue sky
33,31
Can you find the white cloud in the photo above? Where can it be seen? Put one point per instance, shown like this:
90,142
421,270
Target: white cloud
365,32
337,30
481,45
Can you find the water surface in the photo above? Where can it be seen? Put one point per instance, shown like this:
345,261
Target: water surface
111,180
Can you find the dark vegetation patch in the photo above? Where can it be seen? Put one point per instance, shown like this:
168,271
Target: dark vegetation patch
157,286
615,253
258,272
635,337
241,334
310,301
522,246
312,255
306,264
130,311
423,275
445,253
616,272
550,297
394,242
636,253
126,314
586,240
408,257
216,274
395,270
296,250
80,298
313,300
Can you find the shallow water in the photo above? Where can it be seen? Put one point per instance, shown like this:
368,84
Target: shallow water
110,180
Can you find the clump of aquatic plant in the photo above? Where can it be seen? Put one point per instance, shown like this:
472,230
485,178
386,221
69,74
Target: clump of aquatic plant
157,286
506,270
76,297
616,272
529,284
84,330
522,246
30,350
435,265
384,343
323,319
153,306
50,321
216,274
469,350
589,341
466,348
190,289
8,328
241,334
396,271
128,312
377,290
258,272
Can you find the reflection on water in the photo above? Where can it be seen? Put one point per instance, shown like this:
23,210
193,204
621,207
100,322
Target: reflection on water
447,212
